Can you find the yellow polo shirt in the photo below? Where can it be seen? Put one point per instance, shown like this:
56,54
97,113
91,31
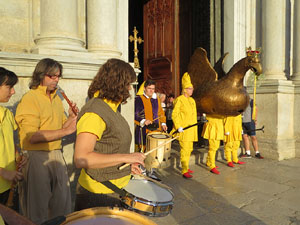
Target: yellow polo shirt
36,111
92,123
7,147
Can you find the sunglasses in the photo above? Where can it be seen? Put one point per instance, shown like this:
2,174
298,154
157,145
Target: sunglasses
53,77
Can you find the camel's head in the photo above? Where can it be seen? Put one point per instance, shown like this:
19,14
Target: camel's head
253,61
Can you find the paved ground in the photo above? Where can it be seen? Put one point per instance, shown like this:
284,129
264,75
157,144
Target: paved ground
260,192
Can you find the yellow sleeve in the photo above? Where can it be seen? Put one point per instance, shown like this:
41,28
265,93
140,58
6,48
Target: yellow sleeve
27,118
176,114
91,123
12,119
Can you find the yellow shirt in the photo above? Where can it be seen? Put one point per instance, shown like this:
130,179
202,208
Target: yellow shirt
185,114
93,123
36,111
7,147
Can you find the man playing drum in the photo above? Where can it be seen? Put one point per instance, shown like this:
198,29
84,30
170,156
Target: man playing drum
103,138
149,115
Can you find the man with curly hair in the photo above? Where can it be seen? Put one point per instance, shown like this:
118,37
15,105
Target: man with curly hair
104,138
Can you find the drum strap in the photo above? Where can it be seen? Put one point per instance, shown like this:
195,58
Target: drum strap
113,187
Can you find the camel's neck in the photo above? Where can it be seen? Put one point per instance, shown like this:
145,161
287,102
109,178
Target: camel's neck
238,71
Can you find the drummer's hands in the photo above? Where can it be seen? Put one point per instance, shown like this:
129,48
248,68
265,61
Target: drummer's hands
135,169
147,122
136,157
164,127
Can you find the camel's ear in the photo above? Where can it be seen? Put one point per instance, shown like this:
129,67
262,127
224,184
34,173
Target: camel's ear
219,66
200,70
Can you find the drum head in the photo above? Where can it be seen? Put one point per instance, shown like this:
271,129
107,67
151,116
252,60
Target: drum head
159,136
106,216
149,191
101,220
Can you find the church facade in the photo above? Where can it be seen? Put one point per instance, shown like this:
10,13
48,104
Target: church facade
83,34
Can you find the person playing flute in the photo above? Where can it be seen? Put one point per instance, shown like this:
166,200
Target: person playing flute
45,191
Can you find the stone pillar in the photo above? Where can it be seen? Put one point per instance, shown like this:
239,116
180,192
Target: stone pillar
274,33
296,44
58,26
275,95
234,31
102,27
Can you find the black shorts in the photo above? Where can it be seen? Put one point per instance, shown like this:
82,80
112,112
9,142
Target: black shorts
249,128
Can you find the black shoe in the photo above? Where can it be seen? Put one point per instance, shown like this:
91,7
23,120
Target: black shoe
257,155
246,156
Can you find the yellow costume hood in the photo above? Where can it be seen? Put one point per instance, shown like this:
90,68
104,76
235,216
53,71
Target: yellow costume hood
186,81
141,89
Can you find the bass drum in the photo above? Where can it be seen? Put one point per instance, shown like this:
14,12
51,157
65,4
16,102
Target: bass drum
161,157
106,216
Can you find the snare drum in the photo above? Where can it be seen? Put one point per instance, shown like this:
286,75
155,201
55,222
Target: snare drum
161,157
147,198
105,216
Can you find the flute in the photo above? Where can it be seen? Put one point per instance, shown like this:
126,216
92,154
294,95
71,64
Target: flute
10,199
67,99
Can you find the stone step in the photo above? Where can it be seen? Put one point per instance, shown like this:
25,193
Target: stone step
198,156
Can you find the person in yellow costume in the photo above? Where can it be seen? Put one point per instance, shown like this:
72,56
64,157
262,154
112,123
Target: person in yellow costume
185,114
232,139
104,138
213,131
8,172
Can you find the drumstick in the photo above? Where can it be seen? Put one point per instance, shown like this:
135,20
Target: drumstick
152,150
155,119
155,181
66,98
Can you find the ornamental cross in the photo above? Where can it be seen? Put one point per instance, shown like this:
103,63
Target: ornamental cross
135,40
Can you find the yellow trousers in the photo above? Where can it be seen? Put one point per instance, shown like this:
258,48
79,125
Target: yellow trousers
231,148
211,156
186,148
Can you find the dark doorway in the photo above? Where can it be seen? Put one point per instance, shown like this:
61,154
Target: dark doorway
136,20
196,23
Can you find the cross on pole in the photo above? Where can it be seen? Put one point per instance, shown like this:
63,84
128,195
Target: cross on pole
135,40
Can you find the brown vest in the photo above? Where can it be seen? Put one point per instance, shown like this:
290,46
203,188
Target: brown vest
115,139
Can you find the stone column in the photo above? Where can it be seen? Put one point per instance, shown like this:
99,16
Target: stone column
275,96
102,27
296,49
59,26
274,39
234,31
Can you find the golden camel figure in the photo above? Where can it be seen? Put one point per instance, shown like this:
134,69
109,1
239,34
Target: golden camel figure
217,92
